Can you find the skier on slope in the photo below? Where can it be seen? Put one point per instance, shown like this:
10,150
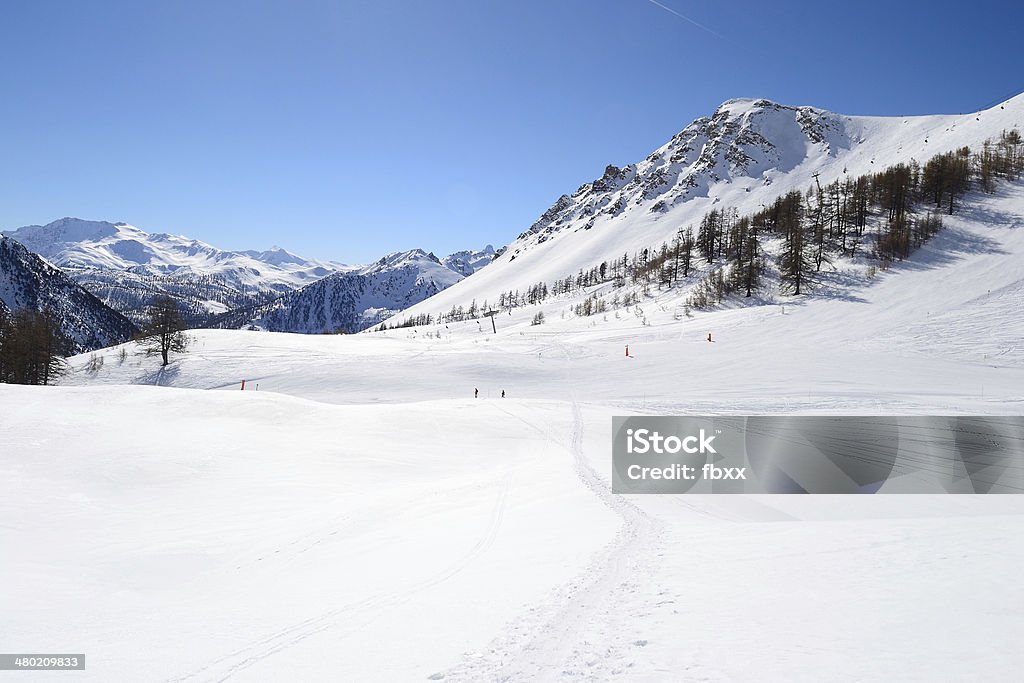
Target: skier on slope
476,393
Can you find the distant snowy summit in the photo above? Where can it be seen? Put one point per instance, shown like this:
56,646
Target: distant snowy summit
125,266
468,262
73,243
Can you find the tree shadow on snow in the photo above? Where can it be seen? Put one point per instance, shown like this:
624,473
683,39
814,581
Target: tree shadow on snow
840,285
950,245
161,376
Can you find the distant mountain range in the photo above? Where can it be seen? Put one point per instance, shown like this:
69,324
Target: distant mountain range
125,267
355,300
76,244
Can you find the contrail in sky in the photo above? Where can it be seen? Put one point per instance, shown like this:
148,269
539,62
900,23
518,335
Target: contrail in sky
683,16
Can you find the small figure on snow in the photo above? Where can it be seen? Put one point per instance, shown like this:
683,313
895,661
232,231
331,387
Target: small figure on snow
709,336
503,393
476,393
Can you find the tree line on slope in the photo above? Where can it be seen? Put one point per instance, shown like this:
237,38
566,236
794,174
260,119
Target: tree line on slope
884,215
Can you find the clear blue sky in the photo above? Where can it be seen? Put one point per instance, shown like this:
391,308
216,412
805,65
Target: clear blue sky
345,130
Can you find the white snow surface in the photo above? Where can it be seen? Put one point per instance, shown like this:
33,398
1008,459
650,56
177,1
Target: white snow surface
355,514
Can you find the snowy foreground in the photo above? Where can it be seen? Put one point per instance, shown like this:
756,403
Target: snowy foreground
362,517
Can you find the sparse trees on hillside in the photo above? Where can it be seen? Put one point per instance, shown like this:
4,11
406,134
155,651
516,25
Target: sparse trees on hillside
798,233
164,331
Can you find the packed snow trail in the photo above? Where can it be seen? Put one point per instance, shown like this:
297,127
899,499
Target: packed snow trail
555,640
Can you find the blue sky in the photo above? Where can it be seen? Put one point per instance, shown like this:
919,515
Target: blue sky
345,130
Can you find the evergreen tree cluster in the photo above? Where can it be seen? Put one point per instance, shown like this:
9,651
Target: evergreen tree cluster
412,321
31,348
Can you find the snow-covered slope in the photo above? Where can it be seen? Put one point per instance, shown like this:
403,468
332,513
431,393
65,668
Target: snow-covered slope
203,536
28,282
745,155
354,300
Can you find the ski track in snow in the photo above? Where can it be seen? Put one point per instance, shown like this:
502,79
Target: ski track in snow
551,641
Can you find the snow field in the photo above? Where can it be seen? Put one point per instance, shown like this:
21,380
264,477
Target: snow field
215,530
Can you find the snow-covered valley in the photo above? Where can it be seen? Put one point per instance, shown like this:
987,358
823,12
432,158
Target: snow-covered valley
533,342
355,514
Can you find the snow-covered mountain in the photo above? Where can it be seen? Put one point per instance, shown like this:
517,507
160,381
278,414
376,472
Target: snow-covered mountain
355,300
125,267
29,282
745,155
80,245
199,296
469,261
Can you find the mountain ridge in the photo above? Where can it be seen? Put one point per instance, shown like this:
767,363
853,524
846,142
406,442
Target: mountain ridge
76,243
125,267
352,301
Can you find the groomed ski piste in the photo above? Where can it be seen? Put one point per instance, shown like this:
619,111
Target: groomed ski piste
355,514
